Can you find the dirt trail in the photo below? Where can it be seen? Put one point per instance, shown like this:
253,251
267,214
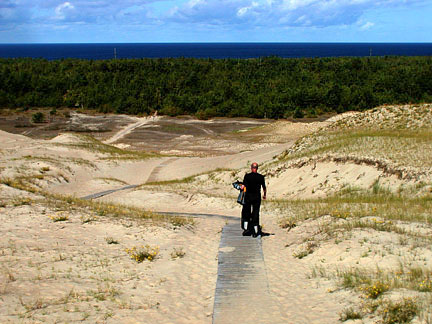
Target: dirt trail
185,167
128,129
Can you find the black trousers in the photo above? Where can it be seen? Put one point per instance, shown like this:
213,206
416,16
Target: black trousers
250,213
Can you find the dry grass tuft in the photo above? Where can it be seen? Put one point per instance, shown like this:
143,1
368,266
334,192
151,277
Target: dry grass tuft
143,252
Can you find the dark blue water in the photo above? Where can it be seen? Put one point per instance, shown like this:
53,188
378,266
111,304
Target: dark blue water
212,50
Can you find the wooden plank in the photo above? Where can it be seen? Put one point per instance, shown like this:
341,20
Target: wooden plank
107,192
242,293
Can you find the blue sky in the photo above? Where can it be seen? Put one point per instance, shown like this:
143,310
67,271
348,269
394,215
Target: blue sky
110,21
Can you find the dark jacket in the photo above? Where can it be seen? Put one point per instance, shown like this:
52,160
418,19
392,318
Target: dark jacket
253,183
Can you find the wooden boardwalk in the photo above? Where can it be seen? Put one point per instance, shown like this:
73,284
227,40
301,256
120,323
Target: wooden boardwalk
242,293
107,192
152,178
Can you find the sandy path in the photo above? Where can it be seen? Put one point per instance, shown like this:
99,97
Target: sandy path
128,129
185,167
177,168
154,175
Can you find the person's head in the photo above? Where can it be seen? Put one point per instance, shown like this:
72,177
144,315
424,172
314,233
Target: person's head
254,167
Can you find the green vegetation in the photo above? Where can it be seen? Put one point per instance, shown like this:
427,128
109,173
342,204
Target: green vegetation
379,210
350,314
144,252
38,117
400,312
267,87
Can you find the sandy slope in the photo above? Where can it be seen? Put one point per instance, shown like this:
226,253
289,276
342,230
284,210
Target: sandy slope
66,271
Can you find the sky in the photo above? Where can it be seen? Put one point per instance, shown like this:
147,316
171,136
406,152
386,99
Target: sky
155,21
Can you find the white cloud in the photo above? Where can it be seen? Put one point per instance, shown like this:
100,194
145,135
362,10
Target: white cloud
61,10
295,4
367,25
193,3
231,13
285,13
243,11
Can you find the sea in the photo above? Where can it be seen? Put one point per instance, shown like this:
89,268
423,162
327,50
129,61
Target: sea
104,51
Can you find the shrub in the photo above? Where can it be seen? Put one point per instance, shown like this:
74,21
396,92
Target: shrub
400,312
111,240
141,253
177,253
298,113
38,117
374,290
59,217
350,314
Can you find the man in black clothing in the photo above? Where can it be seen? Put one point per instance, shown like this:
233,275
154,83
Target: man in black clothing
250,213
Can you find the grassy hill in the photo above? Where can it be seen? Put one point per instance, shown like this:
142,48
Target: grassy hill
372,239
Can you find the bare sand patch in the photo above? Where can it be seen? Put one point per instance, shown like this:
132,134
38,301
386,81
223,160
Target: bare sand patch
72,271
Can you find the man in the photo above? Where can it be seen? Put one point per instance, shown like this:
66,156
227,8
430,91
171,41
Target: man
253,182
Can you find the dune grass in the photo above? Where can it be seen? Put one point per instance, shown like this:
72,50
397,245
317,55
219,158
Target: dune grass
212,175
117,211
356,203
59,162
397,140
376,288
399,136
401,148
92,208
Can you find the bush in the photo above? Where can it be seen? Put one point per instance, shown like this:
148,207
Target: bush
374,290
400,312
298,113
141,253
350,314
38,117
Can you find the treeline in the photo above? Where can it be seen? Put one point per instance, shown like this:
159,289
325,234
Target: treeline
268,87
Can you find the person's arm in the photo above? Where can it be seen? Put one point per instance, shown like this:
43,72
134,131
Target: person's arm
264,189
243,183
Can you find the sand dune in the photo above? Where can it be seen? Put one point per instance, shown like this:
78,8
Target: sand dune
65,262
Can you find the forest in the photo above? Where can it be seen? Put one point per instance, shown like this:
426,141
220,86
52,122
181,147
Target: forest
269,87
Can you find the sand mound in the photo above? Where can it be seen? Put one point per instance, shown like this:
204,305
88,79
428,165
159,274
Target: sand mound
386,117
9,138
66,139
321,179
358,149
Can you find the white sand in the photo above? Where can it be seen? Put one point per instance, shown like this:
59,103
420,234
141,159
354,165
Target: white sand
67,272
